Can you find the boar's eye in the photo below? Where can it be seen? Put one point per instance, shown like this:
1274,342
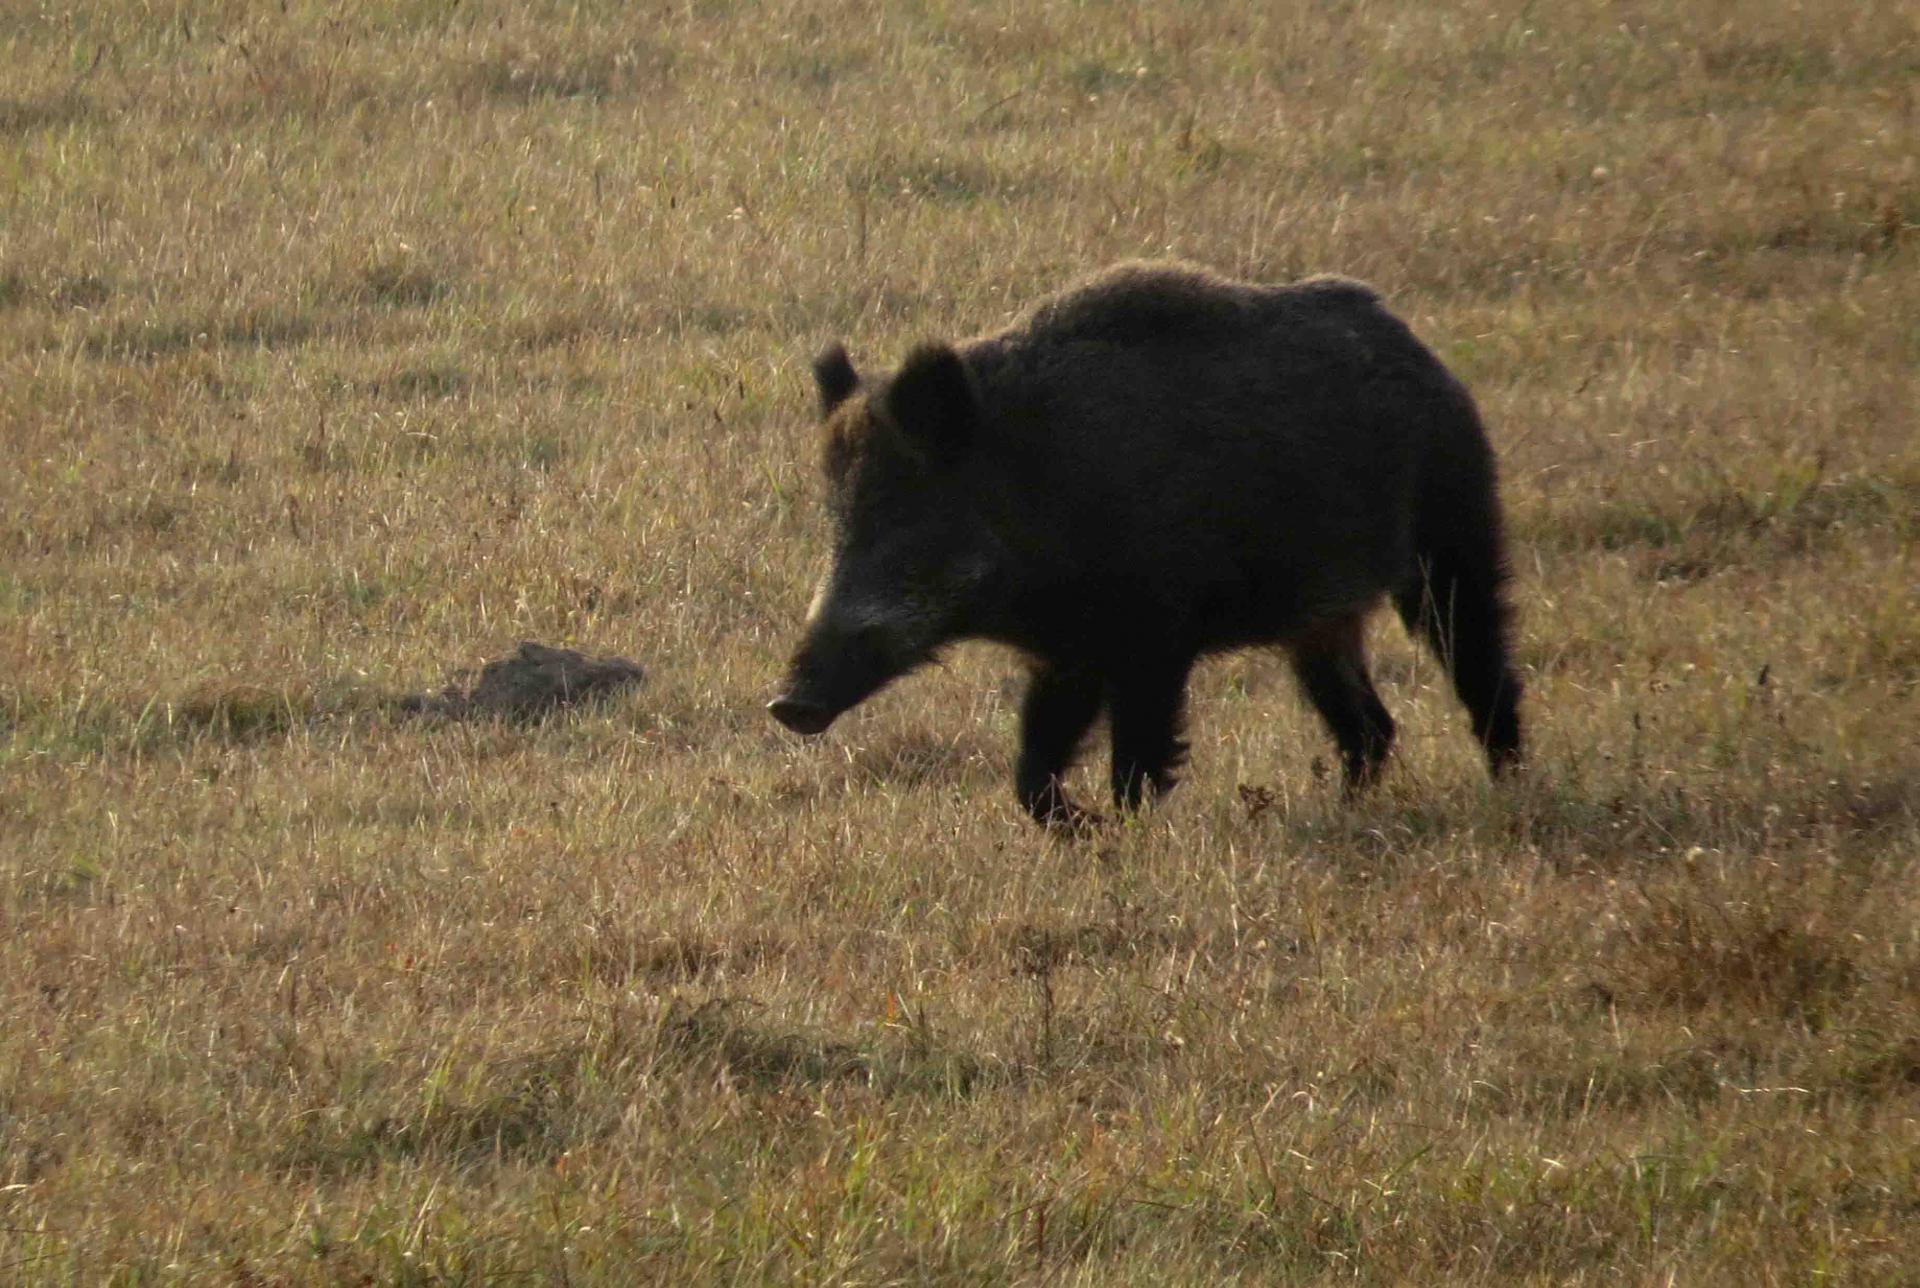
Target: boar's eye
932,404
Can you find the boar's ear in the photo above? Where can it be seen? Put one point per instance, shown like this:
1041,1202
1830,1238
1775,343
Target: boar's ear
932,404
833,372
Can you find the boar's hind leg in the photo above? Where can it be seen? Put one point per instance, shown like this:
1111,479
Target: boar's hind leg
1331,661
1145,703
1060,705
1463,618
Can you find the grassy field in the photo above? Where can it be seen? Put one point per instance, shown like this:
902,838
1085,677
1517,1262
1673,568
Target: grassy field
343,346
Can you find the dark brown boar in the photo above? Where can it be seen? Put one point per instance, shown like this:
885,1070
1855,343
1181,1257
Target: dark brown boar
1158,464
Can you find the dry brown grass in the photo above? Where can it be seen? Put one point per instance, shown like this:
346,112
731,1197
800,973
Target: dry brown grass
342,346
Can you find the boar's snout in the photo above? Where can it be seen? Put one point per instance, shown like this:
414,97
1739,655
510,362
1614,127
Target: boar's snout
834,671
800,715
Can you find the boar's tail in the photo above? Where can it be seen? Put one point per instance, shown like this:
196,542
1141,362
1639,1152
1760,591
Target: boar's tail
1456,601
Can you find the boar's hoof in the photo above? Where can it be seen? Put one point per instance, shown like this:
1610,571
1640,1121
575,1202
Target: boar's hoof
802,717
1052,810
1074,823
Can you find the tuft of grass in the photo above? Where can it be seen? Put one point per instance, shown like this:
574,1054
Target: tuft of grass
398,283
240,712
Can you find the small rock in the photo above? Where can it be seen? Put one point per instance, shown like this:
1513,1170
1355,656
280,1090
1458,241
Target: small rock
533,681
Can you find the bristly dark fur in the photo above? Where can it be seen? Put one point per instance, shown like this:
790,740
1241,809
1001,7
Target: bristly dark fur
1162,463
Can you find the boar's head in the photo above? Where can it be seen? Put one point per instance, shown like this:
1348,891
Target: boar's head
913,560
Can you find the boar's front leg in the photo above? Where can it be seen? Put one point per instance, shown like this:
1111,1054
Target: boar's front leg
1059,706
1146,701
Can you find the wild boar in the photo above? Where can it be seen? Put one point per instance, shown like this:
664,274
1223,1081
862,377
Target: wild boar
1159,464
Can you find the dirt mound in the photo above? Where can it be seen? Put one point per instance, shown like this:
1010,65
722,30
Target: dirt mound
532,682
